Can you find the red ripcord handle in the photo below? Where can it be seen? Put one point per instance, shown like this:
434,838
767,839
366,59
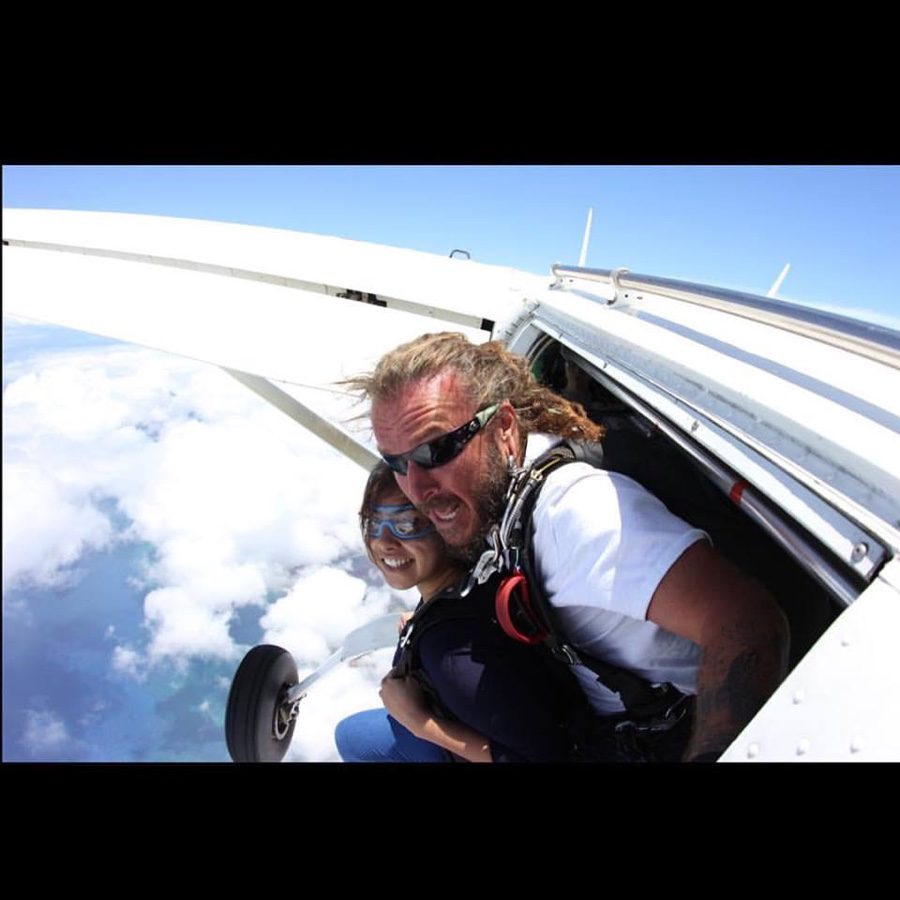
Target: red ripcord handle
502,604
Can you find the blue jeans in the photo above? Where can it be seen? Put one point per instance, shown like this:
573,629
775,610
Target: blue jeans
373,736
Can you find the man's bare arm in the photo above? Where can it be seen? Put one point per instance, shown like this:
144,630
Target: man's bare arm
743,638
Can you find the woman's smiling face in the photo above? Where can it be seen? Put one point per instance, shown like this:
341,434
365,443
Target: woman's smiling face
419,559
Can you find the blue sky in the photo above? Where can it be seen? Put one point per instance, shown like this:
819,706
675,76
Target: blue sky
838,226
129,497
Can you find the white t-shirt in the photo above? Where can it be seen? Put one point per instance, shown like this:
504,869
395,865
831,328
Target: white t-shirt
602,544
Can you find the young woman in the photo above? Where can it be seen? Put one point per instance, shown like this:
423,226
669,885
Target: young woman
460,688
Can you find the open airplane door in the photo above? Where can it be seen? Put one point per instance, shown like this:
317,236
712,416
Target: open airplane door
792,415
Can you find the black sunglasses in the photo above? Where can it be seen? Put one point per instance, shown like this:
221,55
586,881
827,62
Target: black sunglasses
442,449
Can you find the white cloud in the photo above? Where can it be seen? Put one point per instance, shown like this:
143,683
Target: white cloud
45,732
47,525
94,714
182,627
129,662
233,495
240,504
312,619
206,710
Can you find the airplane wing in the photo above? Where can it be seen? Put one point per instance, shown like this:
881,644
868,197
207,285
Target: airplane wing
248,298
242,296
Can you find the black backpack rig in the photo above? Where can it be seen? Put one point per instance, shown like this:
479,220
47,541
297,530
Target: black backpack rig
571,714
649,727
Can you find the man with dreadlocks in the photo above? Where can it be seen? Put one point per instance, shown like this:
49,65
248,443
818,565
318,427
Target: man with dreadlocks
629,583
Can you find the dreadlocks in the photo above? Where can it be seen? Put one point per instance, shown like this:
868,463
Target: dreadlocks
489,372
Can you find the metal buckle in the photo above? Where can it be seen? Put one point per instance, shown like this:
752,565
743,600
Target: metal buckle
488,563
658,724
406,633
571,657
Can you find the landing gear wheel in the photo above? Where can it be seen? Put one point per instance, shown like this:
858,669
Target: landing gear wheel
258,724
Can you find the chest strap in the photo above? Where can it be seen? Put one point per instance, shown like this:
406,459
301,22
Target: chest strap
643,701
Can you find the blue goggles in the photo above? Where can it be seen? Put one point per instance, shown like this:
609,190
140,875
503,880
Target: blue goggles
403,521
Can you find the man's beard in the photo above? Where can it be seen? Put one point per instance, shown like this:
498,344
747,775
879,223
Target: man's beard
490,502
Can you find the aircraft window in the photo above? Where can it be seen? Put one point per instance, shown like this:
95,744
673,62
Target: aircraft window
549,368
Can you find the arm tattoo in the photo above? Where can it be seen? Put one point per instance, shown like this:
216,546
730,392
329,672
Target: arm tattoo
734,685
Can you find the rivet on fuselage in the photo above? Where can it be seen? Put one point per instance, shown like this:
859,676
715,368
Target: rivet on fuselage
859,552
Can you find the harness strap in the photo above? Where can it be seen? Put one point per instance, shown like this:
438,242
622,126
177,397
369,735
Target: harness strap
576,715
643,701
425,616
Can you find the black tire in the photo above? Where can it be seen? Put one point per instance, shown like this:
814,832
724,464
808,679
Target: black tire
257,689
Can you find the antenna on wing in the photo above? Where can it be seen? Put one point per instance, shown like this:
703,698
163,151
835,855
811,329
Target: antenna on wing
584,241
774,289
